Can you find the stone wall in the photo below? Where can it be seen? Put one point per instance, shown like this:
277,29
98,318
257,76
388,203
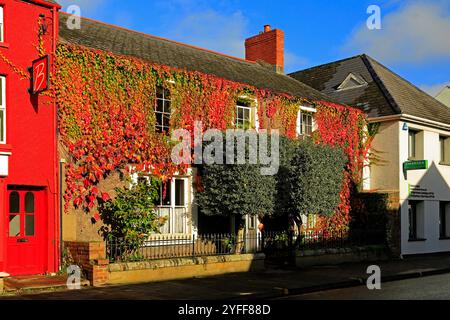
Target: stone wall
393,228
91,258
310,258
183,268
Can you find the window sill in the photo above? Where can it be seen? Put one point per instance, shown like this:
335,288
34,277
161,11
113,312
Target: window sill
444,164
5,148
4,45
417,240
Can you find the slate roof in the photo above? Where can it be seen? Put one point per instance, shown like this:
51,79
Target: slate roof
386,93
52,1
117,40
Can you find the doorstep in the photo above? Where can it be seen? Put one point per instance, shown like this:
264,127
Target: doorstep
37,282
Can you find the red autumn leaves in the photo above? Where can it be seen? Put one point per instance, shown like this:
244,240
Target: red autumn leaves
107,121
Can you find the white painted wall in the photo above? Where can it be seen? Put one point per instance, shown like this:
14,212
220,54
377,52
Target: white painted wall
4,161
384,174
391,145
435,180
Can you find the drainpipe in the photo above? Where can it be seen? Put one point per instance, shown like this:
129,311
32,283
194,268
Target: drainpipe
61,245
55,30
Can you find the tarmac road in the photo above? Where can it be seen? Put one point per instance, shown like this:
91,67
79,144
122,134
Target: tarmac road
425,288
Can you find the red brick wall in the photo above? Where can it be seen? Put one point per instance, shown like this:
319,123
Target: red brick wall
267,46
91,257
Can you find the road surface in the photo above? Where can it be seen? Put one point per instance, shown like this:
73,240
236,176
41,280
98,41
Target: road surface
425,288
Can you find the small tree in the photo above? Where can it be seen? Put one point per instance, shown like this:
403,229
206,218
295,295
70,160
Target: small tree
236,190
314,181
288,151
131,215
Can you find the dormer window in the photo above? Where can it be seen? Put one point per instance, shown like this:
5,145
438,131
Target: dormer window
352,81
162,109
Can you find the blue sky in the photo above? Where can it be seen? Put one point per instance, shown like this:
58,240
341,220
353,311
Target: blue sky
414,40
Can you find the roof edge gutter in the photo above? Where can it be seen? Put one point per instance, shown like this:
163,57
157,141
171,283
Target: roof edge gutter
414,119
432,123
385,118
46,4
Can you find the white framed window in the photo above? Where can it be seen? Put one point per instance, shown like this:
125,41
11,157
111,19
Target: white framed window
243,117
412,144
173,193
416,220
415,144
162,109
173,205
444,220
2,25
2,109
311,222
305,123
444,145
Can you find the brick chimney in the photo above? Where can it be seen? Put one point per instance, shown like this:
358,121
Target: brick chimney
268,46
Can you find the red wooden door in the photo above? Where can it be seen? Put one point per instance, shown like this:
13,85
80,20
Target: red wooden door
26,222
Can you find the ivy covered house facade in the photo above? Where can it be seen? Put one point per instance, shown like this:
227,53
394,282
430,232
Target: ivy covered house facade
104,120
241,87
145,87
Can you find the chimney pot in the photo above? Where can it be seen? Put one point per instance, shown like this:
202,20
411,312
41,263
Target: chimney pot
267,28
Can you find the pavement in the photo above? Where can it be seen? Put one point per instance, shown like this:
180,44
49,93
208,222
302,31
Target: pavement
270,284
37,282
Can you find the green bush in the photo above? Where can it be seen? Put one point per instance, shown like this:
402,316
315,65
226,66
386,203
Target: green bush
131,215
288,150
313,180
236,189
369,211
309,180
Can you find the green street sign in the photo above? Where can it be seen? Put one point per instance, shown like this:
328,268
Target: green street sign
415,165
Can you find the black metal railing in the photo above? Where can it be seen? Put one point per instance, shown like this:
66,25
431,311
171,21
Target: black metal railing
273,243
178,246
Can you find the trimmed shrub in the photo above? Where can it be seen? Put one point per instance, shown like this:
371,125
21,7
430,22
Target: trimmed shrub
314,180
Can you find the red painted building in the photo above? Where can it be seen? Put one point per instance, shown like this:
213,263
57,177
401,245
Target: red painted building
29,224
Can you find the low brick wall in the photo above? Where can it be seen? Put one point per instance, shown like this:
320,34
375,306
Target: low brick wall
91,258
310,258
183,268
